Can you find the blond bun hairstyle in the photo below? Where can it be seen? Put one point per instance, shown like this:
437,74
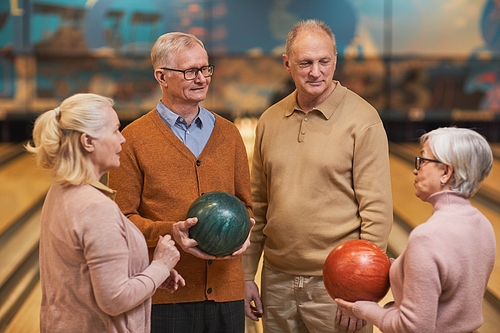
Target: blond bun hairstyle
56,137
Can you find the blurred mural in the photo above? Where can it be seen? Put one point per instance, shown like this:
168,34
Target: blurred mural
414,60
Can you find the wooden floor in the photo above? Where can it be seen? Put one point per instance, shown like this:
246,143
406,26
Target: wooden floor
23,184
27,319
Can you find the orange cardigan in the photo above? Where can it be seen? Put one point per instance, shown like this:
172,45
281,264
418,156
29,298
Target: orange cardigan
157,181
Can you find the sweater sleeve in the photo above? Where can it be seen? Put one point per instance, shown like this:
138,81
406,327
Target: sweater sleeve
417,311
242,173
108,255
128,181
372,184
253,253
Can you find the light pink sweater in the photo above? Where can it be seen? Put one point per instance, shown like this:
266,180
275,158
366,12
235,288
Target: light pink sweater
439,280
94,266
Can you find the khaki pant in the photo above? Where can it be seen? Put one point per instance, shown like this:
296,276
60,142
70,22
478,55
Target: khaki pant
298,304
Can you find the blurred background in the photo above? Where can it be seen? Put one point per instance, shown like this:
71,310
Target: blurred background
421,63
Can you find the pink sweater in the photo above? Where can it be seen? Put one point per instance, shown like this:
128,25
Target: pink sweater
439,280
94,266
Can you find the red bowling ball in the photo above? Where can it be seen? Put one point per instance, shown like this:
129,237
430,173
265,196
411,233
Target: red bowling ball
357,270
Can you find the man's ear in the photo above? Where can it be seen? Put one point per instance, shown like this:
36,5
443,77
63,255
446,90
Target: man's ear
87,142
286,63
160,77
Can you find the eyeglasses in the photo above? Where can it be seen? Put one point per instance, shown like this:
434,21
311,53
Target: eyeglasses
419,160
192,73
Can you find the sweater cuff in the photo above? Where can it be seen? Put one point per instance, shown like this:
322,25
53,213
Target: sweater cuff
157,272
370,311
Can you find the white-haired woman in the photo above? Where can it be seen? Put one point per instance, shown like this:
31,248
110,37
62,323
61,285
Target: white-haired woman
439,280
94,267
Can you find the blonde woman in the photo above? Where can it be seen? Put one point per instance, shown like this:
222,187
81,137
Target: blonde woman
94,267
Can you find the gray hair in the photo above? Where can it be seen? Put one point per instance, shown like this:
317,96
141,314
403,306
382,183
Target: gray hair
165,45
466,151
56,137
309,25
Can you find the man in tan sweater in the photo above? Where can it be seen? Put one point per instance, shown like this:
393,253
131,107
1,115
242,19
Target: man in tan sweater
320,177
172,155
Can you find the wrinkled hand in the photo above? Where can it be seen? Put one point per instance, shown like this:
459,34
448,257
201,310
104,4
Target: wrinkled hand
166,252
173,281
180,231
252,294
346,318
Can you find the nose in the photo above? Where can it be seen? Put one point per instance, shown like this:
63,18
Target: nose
315,70
122,139
415,171
200,77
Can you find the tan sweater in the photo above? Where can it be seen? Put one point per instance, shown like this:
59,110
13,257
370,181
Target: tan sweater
159,178
94,268
318,179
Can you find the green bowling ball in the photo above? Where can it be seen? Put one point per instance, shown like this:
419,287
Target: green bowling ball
223,223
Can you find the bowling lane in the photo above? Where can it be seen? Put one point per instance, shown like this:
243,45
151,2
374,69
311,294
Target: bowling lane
23,185
4,146
407,206
495,148
27,319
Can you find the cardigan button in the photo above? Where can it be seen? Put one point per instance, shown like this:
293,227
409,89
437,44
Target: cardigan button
198,163
209,291
210,261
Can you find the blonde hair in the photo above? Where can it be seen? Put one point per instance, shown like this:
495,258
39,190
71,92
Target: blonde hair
165,45
309,25
56,137
466,151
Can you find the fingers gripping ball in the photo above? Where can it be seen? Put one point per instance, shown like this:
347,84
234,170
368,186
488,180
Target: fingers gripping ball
357,270
223,223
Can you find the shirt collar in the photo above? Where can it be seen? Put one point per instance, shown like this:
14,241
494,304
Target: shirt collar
171,117
327,108
103,188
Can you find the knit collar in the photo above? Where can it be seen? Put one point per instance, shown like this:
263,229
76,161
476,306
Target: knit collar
444,199
103,189
327,108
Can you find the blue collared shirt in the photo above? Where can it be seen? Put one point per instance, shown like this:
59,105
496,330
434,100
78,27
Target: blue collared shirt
195,136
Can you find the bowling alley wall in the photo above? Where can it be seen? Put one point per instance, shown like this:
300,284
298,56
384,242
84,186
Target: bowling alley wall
421,63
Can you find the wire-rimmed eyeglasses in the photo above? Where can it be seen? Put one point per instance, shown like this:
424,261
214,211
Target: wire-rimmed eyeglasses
192,73
419,160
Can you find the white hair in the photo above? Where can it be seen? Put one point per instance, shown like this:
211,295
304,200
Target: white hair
167,44
466,151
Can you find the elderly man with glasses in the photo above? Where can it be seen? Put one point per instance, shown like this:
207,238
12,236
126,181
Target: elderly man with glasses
171,156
